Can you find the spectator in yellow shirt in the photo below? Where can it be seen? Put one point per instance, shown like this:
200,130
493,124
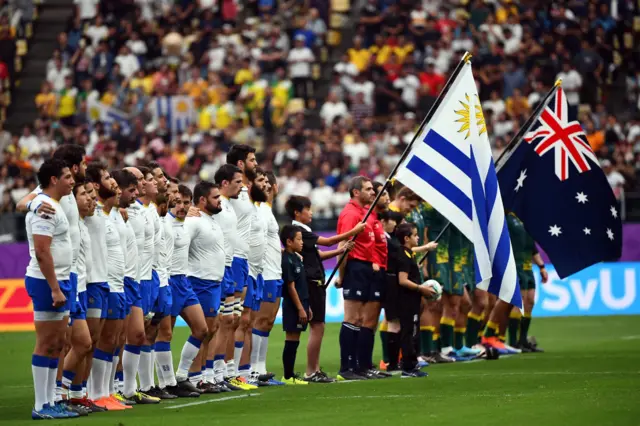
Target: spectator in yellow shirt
67,102
142,82
358,55
215,88
110,96
517,105
196,85
46,101
244,74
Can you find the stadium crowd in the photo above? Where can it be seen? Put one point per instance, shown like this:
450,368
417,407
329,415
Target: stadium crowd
250,68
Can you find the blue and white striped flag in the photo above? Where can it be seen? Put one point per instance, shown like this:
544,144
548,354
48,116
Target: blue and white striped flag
97,111
179,111
451,167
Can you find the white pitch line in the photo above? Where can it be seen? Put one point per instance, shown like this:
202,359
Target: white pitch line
226,398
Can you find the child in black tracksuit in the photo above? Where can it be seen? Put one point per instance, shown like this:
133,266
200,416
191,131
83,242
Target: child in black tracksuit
295,301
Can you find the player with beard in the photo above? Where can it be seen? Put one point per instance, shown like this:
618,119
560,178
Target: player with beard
134,321
272,291
185,302
205,269
128,185
229,177
244,157
47,283
257,248
99,362
73,157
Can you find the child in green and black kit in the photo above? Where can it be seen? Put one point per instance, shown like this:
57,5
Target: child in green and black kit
295,300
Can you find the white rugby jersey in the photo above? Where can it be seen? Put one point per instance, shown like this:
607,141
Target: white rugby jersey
83,263
145,260
157,234
116,250
244,210
56,227
180,259
273,253
206,250
97,229
257,242
131,255
166,252
70,209
229,223
138,223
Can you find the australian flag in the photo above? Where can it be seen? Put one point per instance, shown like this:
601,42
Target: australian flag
553,182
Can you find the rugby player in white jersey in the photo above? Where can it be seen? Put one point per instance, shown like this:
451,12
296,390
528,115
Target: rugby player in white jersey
47,283
257,248
185,302
74,157
205,269
104,364
229,178
145,276
134,322
128,185
98,288
244,157
272,290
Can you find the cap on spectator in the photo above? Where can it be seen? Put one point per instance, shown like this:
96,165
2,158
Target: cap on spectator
409,115
251,21
150,128
227,27
430,61
300,37
605,163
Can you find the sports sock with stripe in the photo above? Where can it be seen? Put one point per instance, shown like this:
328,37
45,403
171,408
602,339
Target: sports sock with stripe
514,326
237,354
473,327
348,338
458,337
40,372
262,354
145,368
100,368
525,323
289,357
188,354
130,363
219,367
446,333
256,341
164,360
426,339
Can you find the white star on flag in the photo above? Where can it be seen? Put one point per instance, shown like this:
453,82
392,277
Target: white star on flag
581,197
610,234
614,212
586,231
555,230
523,176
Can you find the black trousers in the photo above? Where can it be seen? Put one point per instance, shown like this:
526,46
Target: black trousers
409,316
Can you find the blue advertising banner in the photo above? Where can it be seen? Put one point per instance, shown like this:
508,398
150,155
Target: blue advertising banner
602,289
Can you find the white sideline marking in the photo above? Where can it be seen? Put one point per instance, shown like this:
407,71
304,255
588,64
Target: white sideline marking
226,398
630,337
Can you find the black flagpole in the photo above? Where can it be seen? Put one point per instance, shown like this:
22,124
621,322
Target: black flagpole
465,59
515,143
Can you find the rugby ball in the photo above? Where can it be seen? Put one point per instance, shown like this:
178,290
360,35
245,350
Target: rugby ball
435,285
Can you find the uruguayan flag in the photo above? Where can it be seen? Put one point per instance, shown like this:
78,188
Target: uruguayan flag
179,111
451,167
98,111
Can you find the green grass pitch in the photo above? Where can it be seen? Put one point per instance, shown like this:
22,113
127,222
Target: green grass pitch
589,375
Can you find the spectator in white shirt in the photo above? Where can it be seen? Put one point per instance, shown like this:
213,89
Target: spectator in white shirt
346,70
28,141
494,104
615,178
137,46
572,84
321,199
86,9
97,31
357,150
300,59
364,86
57,74
340,198
409,84
128,62
333,108
215,56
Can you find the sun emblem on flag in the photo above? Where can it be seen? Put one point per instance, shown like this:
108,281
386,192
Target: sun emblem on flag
480,123
94,114
465,117
182,106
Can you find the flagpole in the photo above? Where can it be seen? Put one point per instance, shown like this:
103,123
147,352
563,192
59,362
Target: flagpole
515,143
454,75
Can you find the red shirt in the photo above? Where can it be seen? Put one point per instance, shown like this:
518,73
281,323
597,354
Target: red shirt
380,242
434,81
351,215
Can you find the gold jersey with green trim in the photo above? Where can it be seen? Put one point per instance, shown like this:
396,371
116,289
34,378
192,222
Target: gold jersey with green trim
522,243
415,217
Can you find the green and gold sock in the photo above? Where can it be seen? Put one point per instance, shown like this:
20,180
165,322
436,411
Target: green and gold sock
426,339
491,330
446,331
436,342
524,327
514,327
458,337
473,328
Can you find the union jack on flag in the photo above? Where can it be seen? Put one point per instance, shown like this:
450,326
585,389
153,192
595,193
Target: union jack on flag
564,199
567,139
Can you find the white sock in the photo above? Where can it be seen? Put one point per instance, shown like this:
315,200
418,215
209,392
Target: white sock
189,353
130,364
255,350
145,369
237,354
262,355
59,393
112,376
231,369
446,350
152,356
40,373
219,369
99,369
164,365
209,375
195,379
